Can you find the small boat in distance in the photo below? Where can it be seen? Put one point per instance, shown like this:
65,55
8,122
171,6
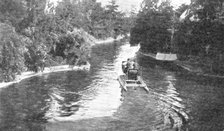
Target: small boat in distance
131,78
166,57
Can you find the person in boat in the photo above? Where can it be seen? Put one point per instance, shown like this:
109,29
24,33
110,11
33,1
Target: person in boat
130,68
133,72
126,65
135,65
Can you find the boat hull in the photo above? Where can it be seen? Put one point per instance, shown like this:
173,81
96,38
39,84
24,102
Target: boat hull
127,84
151,58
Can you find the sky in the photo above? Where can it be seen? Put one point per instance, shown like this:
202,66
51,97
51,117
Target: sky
126,5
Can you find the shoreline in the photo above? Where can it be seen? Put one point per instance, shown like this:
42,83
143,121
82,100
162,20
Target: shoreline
47,70
195,70
108,40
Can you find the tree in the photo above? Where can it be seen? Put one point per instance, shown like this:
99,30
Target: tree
12,47
115,17
200,34
33,38
151,26
112,9
12,11
204,27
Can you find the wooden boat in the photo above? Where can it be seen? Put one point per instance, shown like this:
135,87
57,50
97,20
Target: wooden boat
168,57
165,56
131,83
152,61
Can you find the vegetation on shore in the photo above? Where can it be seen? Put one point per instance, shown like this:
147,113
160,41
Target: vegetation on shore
198,37
36,33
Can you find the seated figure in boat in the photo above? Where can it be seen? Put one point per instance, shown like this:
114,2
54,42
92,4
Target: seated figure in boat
130,68
126,65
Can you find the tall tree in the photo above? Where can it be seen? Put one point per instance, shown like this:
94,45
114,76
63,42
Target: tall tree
115,18
12,11
200,34
151,26
12,47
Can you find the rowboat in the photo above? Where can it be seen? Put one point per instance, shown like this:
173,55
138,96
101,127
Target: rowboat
131,83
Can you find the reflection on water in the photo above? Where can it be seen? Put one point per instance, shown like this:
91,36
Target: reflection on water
171,104
204,103
102,97
163,85
92,100
66,96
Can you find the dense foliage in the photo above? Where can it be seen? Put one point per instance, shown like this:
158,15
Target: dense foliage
36,33
12,48
203,27
152,24
198,35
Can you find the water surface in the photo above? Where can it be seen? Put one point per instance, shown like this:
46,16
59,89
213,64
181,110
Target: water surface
77,100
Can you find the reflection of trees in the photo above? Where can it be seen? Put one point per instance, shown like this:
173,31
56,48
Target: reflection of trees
106,52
